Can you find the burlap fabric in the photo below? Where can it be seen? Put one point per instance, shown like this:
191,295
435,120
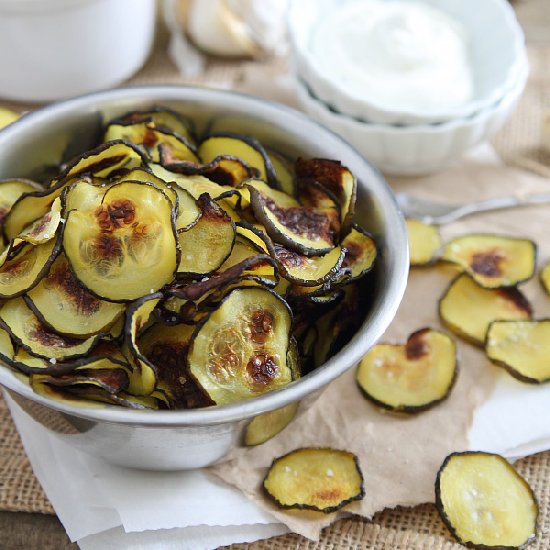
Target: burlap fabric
402,529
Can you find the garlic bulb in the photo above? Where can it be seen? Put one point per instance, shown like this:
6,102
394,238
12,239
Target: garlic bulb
237,27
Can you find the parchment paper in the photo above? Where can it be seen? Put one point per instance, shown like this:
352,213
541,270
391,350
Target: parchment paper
400,455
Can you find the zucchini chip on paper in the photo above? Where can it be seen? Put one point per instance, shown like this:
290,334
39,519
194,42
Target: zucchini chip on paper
521,347
467,309
493,261
424,242
484,502
320,479
409,378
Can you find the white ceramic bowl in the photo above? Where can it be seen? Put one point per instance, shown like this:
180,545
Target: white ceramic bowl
497,52
54,49
414,150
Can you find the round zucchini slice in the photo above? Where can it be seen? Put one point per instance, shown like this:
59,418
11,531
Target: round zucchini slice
467,308
424,242
25,265
43,229
307,270
493,261
11,190
287,222
208,243
336,179
320,479
409,378
246,148
544,277
126,247
64,305
521,347
360,252
484,502
27,330
240,350
267,425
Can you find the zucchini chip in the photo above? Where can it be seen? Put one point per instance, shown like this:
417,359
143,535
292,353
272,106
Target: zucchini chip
143,377
246,148
155,141
223,170
484,502
267,425
493,261
333,177
163,118
208,243
284,172
43,229
307,231
25,265
64,305
544,277
521,347
126,247
7,350
360,252
307,270
240,350
320,479
27,330
467,308
409,378
11,190
424,242
166,348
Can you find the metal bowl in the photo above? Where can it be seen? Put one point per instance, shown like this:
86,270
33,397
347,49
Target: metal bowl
168,440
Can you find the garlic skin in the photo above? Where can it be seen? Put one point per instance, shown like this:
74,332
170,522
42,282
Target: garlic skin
238,27
214,29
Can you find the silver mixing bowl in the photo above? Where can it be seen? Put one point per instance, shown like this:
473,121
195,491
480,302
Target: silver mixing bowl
166,440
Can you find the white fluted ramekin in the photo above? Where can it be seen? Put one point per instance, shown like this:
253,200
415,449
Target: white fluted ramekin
497,52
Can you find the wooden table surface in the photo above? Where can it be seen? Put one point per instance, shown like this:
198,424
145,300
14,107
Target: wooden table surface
29,531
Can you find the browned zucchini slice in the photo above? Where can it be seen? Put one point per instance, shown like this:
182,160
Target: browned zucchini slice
126,247
305,230
521,347
27,330
30,207
43,229
11,190
63,304
307,270
409,378
25,266
360,252
155,141
162,118
319,479
240,350
267,425
166,348
484,502
335,178
493,261
424,242
104,160
467,308
208,243
143,378
544,276
246,148
224,170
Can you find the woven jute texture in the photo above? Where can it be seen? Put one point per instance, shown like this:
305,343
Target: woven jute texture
402,529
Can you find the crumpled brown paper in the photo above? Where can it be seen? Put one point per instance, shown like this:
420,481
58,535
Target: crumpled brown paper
400,455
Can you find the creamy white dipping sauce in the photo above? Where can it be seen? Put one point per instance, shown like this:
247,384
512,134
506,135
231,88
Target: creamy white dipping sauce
398,54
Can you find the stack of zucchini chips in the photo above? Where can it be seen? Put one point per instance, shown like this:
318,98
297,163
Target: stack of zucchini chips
162,271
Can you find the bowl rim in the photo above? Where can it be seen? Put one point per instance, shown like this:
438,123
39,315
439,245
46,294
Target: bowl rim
365,108
283,115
